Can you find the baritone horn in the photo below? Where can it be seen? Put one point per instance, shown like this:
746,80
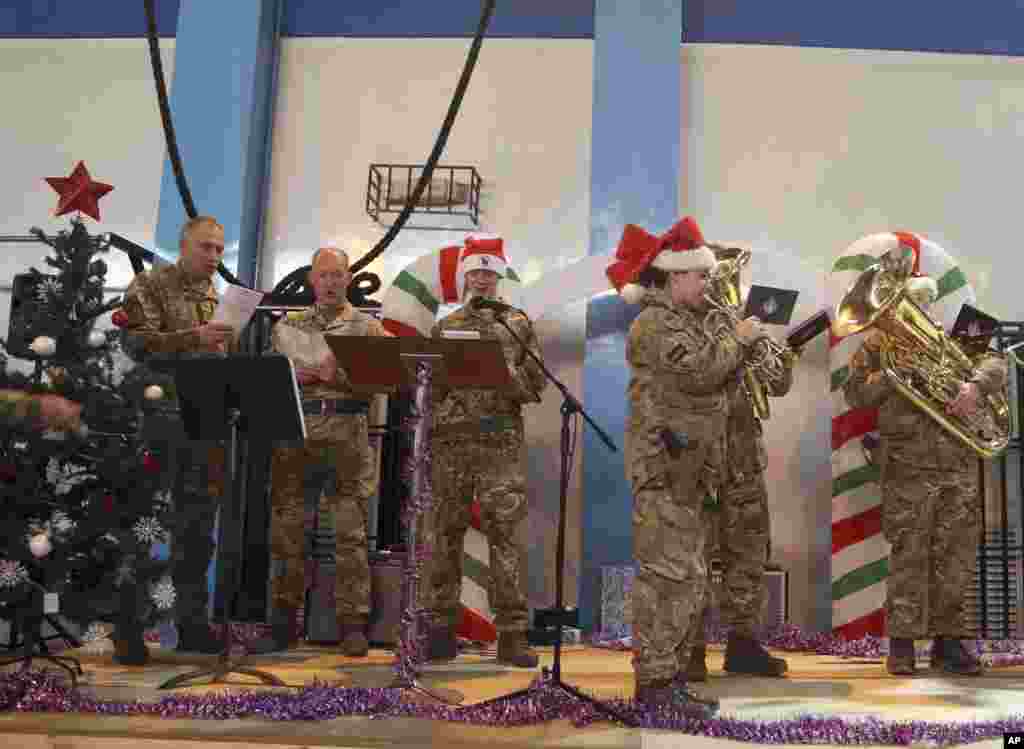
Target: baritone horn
767,358
924,364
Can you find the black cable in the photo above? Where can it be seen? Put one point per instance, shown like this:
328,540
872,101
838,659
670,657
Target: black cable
428,169
442,140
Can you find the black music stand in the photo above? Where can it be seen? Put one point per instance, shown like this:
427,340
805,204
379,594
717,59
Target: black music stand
559,616
382,364
220,395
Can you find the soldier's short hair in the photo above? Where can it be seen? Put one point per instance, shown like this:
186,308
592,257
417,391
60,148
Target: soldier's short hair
192,223
334,250
653,277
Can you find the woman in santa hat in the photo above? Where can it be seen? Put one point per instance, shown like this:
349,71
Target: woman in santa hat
680,355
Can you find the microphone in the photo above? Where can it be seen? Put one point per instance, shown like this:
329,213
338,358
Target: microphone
491,304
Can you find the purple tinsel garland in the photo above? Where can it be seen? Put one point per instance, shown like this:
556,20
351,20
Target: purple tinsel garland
30,691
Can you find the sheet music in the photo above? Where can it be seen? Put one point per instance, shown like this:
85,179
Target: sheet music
237,307
305,348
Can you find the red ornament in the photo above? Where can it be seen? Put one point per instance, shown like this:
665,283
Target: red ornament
149,463
108,503
79,192
119,318
8,472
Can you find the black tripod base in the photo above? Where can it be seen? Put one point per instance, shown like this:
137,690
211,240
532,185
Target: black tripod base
219,674
557,683
58,660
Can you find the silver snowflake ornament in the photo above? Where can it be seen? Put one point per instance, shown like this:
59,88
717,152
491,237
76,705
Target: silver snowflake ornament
163,593
96,639
149,531
60,522
48,288
12,573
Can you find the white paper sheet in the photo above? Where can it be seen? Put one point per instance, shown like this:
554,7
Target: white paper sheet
305,348
237,306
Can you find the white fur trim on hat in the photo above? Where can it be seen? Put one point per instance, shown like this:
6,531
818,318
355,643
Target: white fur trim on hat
701,258
480,261
919,285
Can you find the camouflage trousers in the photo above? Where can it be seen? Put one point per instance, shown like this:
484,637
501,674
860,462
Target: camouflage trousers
932,520
739,534
488,469
669,536
337,461
194,472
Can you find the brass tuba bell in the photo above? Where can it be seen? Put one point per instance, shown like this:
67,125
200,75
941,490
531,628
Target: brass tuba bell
925,365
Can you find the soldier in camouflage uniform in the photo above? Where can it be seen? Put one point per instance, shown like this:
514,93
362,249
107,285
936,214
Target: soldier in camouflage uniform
742,535
477,444
931,509
675,443
168,311
336,458
19,410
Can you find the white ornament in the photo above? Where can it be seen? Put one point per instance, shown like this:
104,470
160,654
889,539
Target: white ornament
149,531
44,346
97,338
153,393
11,573
96,639
163,593
40,545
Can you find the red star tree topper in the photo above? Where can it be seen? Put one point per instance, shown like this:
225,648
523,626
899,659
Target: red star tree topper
78,192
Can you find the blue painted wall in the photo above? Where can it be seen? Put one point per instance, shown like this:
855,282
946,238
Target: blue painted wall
634,179
84,18
990,27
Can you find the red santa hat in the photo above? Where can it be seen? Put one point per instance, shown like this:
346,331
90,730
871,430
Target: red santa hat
918,285
681,248
483,252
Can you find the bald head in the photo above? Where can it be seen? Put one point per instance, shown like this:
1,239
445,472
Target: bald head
329,276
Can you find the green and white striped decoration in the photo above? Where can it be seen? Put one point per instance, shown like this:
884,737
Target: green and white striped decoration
860,554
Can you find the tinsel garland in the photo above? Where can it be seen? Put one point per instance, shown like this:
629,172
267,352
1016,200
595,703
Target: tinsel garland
32,691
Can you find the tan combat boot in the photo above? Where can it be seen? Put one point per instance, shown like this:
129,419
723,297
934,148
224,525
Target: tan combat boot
514,650
951,656
745,655
672,694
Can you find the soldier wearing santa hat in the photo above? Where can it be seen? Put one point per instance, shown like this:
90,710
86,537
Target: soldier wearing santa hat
680,363
477,445
931,512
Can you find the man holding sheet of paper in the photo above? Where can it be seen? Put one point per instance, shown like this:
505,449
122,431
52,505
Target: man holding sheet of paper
172,309
335,461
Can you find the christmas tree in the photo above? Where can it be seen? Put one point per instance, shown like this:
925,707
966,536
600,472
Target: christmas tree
81,511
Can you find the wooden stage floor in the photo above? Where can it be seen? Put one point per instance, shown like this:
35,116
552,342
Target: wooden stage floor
817,685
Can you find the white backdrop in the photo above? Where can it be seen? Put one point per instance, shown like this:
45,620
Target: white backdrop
806,150
524,124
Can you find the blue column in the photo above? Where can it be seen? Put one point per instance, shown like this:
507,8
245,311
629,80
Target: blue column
221,99
634,179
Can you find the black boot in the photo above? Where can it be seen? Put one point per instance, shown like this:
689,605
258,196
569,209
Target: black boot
954,658
282,633
130,648
667,694
352,630
745,655
197,637
901,660
442,644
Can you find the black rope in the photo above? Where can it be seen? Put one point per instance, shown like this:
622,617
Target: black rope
421,185
442,140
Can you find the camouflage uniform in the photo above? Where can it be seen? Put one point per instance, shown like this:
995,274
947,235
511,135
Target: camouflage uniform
477,454
741,532
679,383
163,306
335,459
931,510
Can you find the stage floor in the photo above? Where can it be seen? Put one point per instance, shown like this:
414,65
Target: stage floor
817,685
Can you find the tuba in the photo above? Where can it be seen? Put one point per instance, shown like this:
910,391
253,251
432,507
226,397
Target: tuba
925,365
724,297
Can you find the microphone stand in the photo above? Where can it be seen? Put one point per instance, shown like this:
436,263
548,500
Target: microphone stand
559,615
